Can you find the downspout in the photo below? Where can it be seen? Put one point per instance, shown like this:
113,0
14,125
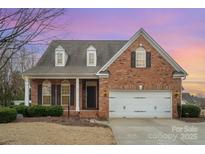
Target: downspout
183,78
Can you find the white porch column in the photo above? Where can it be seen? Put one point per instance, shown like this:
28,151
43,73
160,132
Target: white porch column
26,98
77,107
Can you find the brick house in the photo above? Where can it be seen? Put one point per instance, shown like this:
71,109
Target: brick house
107,78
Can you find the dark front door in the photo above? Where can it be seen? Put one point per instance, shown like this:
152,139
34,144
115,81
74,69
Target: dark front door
91,96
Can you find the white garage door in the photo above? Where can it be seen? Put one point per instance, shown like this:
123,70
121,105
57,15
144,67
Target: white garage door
142,104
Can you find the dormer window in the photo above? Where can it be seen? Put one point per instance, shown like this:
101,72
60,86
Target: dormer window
91,56
60,56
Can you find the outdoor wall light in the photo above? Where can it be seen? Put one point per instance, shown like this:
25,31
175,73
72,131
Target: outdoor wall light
140,87
176,94
105,93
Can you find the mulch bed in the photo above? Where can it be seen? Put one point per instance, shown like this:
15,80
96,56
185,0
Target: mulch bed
71,121
193,120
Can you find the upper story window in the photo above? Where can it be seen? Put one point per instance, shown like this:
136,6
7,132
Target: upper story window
140,57
91,56
60,56
65,93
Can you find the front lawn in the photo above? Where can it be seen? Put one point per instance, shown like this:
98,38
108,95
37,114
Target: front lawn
53,133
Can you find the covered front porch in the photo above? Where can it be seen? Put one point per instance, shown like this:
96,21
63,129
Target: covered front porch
78,96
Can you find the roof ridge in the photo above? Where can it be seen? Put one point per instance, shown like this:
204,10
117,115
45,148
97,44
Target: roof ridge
89,40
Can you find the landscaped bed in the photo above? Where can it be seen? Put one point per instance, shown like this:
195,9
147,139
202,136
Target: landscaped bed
54,133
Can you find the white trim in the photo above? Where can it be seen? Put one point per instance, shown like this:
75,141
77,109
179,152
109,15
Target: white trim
143,51
91,50
153,43
77,104
46,95
60,50
103,75
94,84
68,95
26,97
177,75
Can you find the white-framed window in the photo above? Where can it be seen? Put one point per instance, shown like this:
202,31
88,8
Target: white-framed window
46,92
91,56
60,56
140,57
65,93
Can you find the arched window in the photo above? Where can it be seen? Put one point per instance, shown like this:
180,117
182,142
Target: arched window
46,92
91,56
65,93
60,56
140,57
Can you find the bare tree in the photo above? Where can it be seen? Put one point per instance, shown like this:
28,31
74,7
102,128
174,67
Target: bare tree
19,27
19,30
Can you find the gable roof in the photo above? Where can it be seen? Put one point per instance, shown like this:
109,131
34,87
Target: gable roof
107,52
162,52
76,63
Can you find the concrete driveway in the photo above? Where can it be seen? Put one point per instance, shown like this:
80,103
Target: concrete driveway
157,131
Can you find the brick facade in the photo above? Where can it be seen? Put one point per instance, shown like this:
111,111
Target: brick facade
83,112
123,77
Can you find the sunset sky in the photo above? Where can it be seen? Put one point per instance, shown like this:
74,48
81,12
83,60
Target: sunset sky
181,32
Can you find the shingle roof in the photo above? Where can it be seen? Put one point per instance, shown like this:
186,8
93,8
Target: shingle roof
76,63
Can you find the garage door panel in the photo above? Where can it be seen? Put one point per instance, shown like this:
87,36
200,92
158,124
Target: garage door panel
140,104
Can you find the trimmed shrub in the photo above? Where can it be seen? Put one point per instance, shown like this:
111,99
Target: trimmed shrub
37,111
22,109
7,114
191,111
55,110
12,106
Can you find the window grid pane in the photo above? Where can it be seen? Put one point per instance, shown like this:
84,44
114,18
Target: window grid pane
65,90
140,59
46,100
91,58
65,100
46,90
59,58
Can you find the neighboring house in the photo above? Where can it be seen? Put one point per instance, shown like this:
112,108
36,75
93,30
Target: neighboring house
190,99
112,78
199,101
195,100
187,98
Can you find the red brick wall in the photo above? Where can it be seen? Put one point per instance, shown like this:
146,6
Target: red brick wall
83,113
122,76
34,89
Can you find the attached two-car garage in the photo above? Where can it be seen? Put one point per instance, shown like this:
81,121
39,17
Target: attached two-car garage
140,104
